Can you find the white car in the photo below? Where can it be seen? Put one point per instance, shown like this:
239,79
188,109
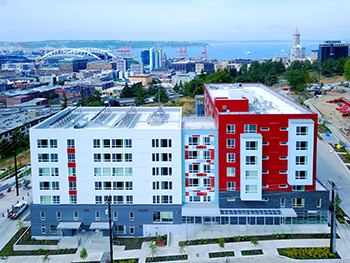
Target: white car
17,210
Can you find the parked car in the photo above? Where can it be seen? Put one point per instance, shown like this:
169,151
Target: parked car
17,210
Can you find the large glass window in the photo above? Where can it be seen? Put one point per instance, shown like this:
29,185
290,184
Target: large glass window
251,174
250,128
302,130
43,158
230,143
117,143
230,157
96,143
70,143
193,168
230,128
302,145
300,175
231,171
193,155
251,145
162,217
193,141
193,182
53,143
251,160
251,189
300,160
231,186
298,202
42,143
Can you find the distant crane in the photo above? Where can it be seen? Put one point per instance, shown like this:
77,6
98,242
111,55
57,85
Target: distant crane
204,53
182,53
125,51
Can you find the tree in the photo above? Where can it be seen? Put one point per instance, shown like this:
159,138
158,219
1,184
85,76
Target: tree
127,92
328,67
255,242
83,254
347,70
153,248
162,95
194,87
297,79
220,76
19,223
176,88
46,258
140,96
182,247
221,242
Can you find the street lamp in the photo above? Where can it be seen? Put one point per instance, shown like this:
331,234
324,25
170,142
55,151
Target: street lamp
108,202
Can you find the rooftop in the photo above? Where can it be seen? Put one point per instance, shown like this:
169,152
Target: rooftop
115,118
262,100
198,123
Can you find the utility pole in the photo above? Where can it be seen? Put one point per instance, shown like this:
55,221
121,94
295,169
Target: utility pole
110,227
15,161
333,247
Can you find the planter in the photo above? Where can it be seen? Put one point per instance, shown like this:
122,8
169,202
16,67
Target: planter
160,243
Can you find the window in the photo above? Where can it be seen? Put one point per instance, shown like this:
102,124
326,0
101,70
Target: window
166,185
129,199
54,157
70,143
193,168
251,145
264,171
44,185
132,230
231,199
300,175
206,155
283,186
230,128
251,160
55,185
54,171
156,199
231,171
107,186
155,157
298,202
265,157
283,157
98,185
230,143
115,215
283,202
53,229
155,143
106,171
117,143
53,143
231,186
106,143
193,182
230,157
44,171
131,216
155,171
166,157
206,168
193,140
98,199
298,188
302,130
45,199
206,199
128,157
302,145
300,160
72,186
128,171
72,171
206,140
264,129
75,215
107,157
42,143
193,155
73,199
56,199
265,186
155,185
283,172
283,143
251,189
43,158
71,157
120,199
42,215
97,171
318,202
118,171
97,157
120,229
195,199
251,174
250,128
165,143
97,215
58,215
265,143
166,171
43,229
128,143
96,143
284,129
167,199
117,157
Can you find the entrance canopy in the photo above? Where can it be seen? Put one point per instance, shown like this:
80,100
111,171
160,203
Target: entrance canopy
99,225
69,225
200,210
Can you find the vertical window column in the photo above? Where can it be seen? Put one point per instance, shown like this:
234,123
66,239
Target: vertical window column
72,179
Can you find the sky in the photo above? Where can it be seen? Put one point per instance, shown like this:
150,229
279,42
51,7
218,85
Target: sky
176,20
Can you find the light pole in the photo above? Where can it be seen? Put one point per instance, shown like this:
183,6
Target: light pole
109,200
333,246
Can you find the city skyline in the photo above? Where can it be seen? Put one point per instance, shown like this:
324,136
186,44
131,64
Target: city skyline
178,21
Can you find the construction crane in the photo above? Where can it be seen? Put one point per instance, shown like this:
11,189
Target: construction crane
182,53
204,53
179,52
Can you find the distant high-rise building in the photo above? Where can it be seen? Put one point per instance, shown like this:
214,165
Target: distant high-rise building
156,57
145,57
298,52
333,49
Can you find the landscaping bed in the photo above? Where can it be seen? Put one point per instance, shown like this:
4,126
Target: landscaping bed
263,237
132,260
136,243
167,258
28,240
252,252
221,254
308,253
